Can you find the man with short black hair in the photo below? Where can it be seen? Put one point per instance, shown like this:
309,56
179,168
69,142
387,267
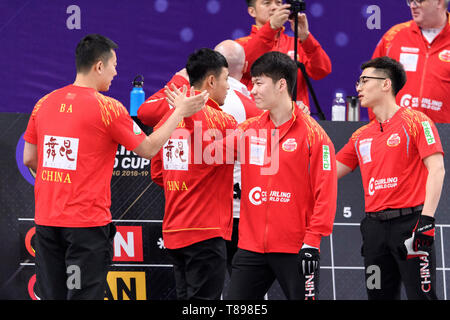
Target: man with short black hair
198,197
401,162
71,141
289,188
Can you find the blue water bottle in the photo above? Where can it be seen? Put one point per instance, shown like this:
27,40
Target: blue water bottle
137,95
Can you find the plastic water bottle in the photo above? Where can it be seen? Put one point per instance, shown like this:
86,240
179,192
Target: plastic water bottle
338,108
137,95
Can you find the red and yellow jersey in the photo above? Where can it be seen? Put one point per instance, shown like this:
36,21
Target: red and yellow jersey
198,196
77,131
289,183
427,67
310,53
390,159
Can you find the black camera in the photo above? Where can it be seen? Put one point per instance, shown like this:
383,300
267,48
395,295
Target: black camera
296,7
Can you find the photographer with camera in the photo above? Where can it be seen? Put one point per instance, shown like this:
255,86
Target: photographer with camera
268,34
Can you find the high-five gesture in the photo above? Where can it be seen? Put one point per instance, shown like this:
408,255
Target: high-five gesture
186,105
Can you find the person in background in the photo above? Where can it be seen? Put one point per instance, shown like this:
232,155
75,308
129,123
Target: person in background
422,45
400,157
71,142
268,34
238,101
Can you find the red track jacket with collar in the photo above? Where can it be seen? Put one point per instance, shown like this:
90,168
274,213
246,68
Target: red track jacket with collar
310,53
289,183
198,196
427,67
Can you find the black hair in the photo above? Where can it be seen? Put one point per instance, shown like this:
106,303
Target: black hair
91,49
276,65
204,62
391,68
250,3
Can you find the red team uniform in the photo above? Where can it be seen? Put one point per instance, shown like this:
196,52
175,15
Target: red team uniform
427,67
73,177
310,53
390,156
293,204
407,138
77,131
194,212
289,190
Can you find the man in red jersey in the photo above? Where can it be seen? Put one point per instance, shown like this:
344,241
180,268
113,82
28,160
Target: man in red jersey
71,141
289,188
400,157
268,35
422,45
238,103
198,207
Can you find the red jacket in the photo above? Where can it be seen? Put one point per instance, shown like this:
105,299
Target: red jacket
310,53
198,196
427,68
289,183
390,160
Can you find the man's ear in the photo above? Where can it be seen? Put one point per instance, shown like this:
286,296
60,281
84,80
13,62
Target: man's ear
251,12
98,66
387,84
211,81
282,84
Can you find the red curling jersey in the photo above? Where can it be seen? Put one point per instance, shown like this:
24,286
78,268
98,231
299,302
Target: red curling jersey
198,196
427,67
289,183
390,159
77,131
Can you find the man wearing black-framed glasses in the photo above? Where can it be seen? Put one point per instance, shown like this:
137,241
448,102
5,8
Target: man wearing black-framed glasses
400,158
422,45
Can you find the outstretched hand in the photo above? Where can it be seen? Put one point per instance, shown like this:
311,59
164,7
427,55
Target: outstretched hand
186,105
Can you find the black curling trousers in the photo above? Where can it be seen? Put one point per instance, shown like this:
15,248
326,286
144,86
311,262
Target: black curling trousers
383,252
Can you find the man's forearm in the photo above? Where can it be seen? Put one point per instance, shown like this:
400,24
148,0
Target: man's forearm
435,181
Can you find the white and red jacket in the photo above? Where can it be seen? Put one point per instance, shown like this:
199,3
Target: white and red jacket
427,67
309,52
289,183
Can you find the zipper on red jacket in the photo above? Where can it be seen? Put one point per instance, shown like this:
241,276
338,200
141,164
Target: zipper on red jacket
423,78
266,229
269,185
427,48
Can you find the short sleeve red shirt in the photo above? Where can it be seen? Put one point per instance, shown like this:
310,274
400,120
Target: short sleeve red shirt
390,158
77,131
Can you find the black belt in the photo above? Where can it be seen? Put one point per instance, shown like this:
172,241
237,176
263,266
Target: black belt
389,214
